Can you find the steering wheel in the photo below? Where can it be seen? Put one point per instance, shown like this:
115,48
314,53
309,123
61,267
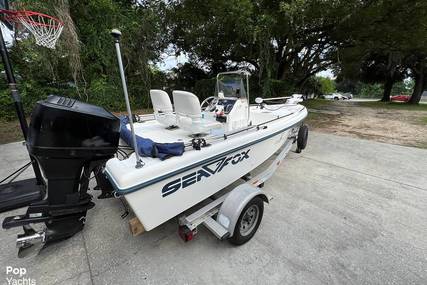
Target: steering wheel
210,103
228,108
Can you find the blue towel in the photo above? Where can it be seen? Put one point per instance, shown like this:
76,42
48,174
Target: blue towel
147,147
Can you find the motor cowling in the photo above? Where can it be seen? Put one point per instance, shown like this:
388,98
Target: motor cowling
70,140
66,128
67,135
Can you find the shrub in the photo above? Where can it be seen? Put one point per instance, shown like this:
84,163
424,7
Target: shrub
30,92
281,88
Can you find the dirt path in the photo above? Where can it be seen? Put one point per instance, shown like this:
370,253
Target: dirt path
402,127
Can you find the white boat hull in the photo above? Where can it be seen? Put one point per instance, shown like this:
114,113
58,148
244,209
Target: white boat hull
153,208
170,187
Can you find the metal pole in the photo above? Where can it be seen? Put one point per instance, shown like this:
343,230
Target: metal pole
117,34
249,103
12,86
17,102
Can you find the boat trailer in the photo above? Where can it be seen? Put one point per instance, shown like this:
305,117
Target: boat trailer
236,214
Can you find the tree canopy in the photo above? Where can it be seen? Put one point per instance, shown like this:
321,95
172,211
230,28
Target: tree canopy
284,44
386,43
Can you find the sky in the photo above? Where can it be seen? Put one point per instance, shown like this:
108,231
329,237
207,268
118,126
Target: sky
7,35
326,73
170,61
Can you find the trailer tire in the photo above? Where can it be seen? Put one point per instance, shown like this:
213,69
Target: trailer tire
248,221
302,138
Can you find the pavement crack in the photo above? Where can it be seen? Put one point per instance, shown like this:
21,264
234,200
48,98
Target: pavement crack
70,278
87,259
363,173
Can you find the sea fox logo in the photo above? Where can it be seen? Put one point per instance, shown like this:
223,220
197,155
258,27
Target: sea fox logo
205,171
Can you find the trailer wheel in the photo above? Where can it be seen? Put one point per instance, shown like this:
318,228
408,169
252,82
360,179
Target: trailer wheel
248,221
302,138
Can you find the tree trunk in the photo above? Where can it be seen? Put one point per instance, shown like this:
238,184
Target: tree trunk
280,70
388,85
420,78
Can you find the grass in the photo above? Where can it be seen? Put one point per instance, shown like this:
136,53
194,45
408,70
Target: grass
422,145
393,106
319,103
137,112
423,120
10,132
316,103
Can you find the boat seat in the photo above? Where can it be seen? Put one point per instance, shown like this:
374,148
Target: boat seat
189,114
163,110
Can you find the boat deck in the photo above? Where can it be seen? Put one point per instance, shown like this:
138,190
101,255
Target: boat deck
159,133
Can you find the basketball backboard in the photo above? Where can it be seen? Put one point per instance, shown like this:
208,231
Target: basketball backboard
4,4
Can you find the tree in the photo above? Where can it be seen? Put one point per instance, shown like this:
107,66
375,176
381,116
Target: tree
404,87
371,90
385,35
419,74
277,39
186,75
327,85
347,86
312,86
85,59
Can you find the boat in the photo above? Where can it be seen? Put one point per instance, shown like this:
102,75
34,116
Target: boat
163,164
236,138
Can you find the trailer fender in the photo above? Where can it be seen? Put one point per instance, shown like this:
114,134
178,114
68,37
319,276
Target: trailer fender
235,202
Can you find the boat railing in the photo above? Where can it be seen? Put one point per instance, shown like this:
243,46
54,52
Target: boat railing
211,139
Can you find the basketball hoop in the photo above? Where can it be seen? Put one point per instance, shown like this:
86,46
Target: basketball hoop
45,29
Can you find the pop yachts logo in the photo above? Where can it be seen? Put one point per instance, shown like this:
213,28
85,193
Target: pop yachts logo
205,171
18,276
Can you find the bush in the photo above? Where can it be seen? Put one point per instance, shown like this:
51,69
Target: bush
30,92
107,95
7,111
327,85
100,92
371,91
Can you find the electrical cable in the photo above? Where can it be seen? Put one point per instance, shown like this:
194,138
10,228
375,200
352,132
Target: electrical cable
17,172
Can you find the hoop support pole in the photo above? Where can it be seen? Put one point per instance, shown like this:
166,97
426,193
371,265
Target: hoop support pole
17,102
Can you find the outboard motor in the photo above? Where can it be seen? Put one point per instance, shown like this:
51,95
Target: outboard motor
70,140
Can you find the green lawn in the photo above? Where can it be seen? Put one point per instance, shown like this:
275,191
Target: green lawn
316,103
424,120
393,106
10,132
319,103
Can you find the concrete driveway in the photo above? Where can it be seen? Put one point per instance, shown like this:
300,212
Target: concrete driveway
345,211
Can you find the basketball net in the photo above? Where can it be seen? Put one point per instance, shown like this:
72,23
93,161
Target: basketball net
45,29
